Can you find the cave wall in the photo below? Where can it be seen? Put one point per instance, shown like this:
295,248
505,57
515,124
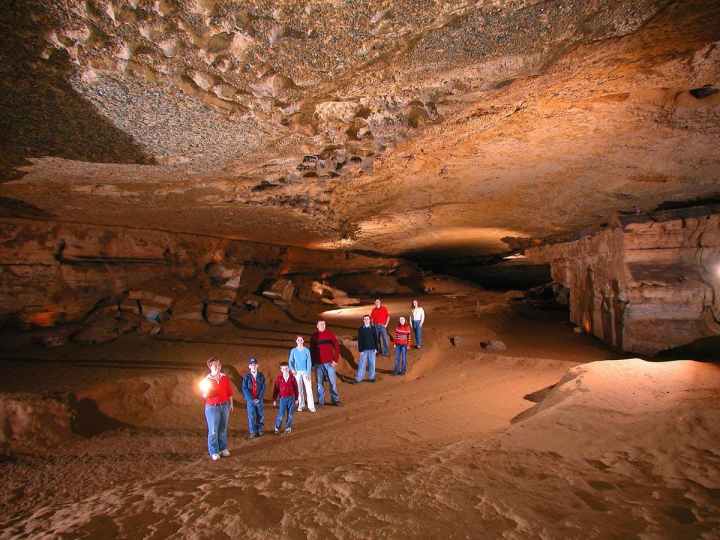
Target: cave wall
645,284
94,283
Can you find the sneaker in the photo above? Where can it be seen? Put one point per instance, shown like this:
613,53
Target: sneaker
215,457
288,431
301,409
372,380
225,453
337,404
312,410
260,434
277,431
353,381
252,436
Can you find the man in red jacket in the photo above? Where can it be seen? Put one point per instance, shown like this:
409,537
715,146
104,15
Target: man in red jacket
325,350
380,318
286,389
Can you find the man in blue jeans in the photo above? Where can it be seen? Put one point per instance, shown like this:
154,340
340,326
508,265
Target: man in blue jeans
253,389
367,345
380,318
286,389
325,350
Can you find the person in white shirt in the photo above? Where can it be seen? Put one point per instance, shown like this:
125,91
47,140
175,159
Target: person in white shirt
300,363
417,319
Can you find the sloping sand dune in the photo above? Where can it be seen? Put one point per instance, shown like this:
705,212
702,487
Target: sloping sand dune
619,449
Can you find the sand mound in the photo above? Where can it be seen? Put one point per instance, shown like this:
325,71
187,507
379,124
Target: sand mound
29,420
35,423
618,449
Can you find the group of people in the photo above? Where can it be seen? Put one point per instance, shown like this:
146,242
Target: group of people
293,385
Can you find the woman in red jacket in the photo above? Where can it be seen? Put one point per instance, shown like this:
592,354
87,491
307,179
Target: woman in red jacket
216,390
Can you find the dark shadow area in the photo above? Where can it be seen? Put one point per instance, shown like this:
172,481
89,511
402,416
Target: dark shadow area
89,420
40,112
347,355
705,349
235,376
16,208
709,201
492,272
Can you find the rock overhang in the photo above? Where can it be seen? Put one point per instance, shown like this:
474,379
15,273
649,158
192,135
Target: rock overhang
397,128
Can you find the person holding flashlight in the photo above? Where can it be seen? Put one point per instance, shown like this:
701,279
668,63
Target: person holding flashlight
216,390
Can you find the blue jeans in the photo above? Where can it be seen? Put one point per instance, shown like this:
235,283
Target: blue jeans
366,357
322,372
417,330
256,417
383,339
286,405
217,417
400,359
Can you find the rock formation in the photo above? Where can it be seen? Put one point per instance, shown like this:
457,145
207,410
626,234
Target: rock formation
396,127
93,284
646,284
448,132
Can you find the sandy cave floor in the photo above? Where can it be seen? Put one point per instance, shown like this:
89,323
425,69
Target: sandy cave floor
427,455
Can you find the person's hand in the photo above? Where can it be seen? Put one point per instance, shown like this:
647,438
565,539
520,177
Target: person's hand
256,401
333,363
297,402
275,404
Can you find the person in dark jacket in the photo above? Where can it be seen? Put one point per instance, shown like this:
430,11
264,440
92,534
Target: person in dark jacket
286,389
325,350
253,389
368,346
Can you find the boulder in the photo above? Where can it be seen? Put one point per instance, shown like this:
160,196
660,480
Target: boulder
30,421
494,345
217,313
281,291
107,329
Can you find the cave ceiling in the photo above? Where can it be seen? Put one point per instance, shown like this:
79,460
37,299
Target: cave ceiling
398,127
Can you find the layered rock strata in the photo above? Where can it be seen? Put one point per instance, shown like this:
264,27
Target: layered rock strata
647,283
96,283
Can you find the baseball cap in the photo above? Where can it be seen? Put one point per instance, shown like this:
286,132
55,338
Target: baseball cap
252,360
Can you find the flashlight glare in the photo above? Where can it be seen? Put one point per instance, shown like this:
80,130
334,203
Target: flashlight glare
204,386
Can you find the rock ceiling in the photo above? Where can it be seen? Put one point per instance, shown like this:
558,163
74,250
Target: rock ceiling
396,126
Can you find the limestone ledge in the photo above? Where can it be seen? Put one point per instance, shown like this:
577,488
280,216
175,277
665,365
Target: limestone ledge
643,286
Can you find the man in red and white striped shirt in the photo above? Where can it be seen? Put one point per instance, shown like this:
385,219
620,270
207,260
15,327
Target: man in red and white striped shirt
401,340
